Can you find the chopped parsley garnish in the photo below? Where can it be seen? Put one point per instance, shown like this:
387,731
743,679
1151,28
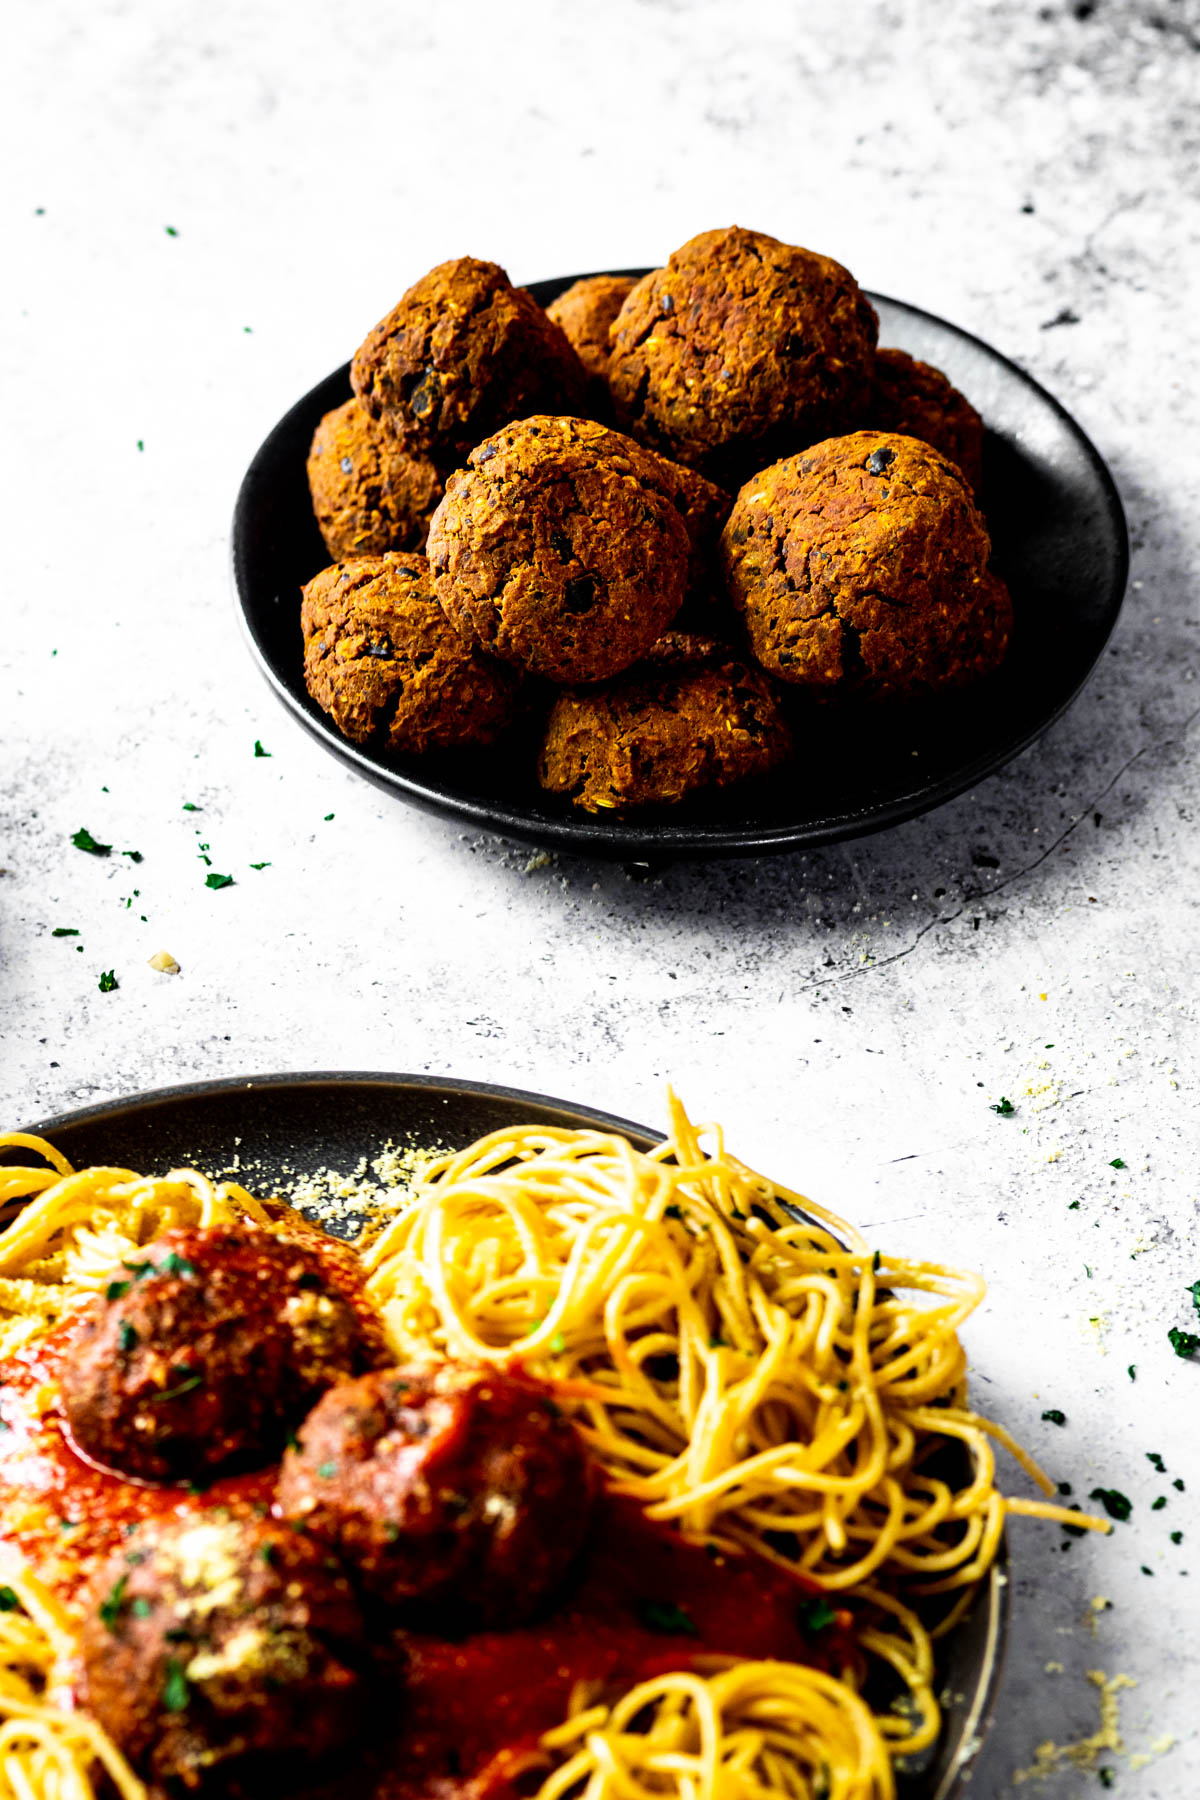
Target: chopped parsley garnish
557,1344
673,1211
133,855
83,840
292,1441
64,931
328,816
269,1554
265,865
1146,1571
218,881
1004,1107
140,1608
189,1382
174,1264
1177,1537
1075,1530
1064,1487
141,443
1113,1501
1131,1371
127,1337
190,806
1156,1461
110,1608
258,749
171,232
1184,1343
108,982
665,1616
175,1688
1054,1416
1118,1162
1178,1483
875,1263
8,1600
117,1290
1074,1206
1158,1504
816,1615
327,1470
1107,1777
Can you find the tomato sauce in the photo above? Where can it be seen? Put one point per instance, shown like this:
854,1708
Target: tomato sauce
463,1719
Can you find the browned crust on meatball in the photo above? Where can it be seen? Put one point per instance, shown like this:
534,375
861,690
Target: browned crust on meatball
916,400
215,1640
560,548
460,355
692,715
381,657
741,350
862,565
586,311
444,1484
367,493
704,508
207,1345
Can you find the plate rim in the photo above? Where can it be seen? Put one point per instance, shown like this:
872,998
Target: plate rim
664,841
976,1723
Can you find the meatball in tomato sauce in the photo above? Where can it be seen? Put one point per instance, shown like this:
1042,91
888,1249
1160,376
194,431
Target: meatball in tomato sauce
207,1346
446,1485
214,1642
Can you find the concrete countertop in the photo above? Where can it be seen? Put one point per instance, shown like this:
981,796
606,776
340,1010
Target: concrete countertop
206,208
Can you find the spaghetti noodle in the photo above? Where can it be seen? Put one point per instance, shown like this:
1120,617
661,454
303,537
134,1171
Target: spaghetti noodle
737,1359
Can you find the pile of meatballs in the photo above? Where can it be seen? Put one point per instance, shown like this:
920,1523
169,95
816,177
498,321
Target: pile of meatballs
653,514
226,1641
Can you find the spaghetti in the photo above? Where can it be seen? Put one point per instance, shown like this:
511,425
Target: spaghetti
737,1359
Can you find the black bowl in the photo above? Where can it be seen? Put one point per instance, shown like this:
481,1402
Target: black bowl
272,1131
1060,541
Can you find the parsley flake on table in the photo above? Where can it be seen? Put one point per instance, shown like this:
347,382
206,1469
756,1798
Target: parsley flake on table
1157,1504
1131,1371
1178,1484
64,931
170,230
1156,1461
1113,1501
1194,1291
265,865
83,840
1054,1416
141,443
134,855
328,816
1118,1162
258,749
1184,1343
213,880
190,806
1004,1107
108,983
1177,1537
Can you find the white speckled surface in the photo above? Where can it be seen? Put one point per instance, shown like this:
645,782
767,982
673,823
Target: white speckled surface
853,1013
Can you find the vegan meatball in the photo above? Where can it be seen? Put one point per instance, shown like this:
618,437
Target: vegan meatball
917,400
460,355
213,1640
585,312
692,715
381,657
368,494
862,565
741,350
444,1484
560,548
207,1346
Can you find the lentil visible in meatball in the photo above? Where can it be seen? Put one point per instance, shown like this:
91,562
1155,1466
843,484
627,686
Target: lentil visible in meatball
741,350
862,565
561,548
444,1484
916,400
460,355
368,494
214,1640
207,1346
381,657
693,715
585,312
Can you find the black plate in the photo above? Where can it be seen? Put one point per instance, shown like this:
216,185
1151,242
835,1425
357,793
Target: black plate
1060,541
275,1128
